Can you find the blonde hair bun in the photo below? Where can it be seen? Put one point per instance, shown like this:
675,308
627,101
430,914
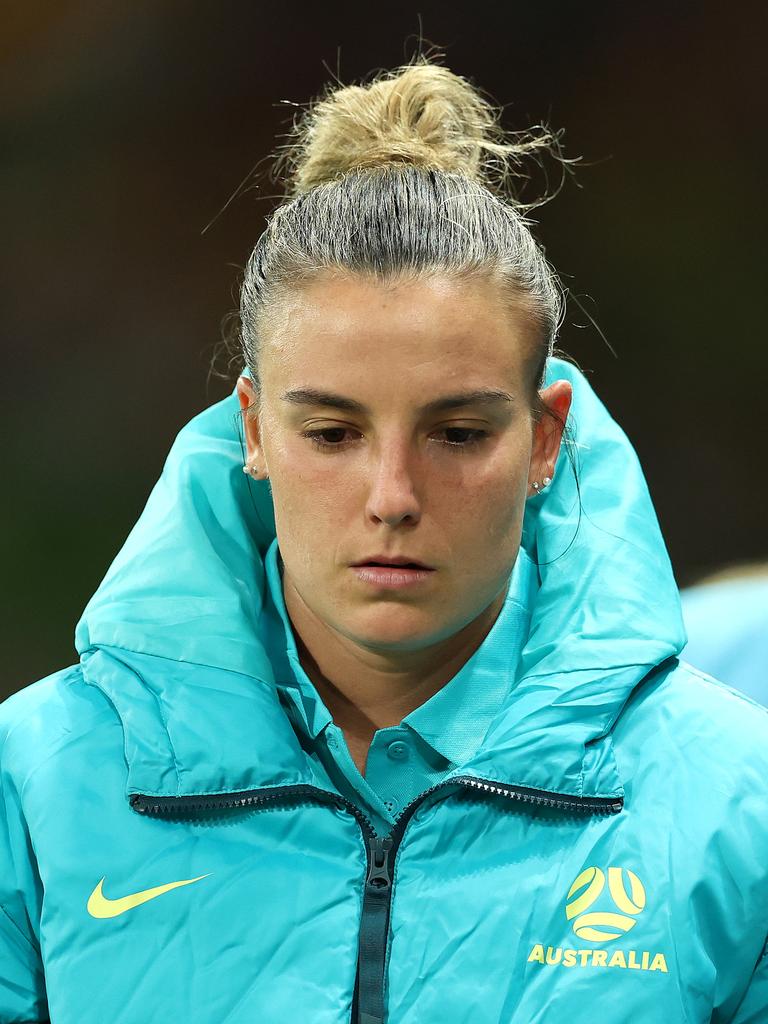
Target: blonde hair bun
421,114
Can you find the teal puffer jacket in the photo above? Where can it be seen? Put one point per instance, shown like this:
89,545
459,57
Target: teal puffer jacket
169,853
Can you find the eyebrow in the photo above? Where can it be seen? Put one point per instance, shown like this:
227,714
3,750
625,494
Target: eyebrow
315,396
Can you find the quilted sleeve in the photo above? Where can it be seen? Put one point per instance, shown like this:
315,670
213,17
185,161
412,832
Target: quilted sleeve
22,983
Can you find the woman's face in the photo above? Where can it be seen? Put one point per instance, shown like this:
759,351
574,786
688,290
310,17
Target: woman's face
389,471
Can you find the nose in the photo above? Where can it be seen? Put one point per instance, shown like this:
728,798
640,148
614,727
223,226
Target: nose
392,491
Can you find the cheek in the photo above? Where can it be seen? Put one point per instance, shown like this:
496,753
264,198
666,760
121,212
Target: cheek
301,481
491,513
312,514
497,489
482,530
308,525
489,524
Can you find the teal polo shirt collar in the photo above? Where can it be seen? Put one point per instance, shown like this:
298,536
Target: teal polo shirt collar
455,720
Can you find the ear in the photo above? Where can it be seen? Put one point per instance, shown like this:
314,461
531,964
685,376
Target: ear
548,432
247,397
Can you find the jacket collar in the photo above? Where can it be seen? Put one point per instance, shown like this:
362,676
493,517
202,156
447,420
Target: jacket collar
181,639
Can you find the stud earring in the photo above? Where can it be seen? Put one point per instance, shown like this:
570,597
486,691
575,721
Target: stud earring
537,486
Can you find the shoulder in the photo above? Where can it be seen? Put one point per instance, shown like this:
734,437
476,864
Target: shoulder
695,733
47,715
700,697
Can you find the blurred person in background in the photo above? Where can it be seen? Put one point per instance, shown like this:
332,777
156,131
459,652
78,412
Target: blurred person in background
378,714
726,618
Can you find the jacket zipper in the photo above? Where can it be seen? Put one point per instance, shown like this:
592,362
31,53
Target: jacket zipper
144,804
368,1006
377,900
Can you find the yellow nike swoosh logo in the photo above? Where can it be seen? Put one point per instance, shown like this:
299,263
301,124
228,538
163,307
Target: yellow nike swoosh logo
100,906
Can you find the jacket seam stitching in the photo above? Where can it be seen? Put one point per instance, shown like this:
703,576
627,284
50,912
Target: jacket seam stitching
20,933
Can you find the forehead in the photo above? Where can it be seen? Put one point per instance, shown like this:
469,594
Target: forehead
354,331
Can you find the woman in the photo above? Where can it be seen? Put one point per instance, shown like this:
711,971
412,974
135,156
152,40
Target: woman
285,782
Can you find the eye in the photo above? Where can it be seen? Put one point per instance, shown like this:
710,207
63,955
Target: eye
319,439
475,437
469,438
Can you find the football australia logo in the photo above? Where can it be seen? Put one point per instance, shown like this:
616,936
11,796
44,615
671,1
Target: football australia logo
600,916
601,925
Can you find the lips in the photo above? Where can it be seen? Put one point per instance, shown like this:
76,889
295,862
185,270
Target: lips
400,561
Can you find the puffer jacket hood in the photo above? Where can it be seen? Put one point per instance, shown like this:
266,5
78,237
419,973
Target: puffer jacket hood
180,621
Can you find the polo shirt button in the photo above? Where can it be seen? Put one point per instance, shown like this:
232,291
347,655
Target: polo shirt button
398,751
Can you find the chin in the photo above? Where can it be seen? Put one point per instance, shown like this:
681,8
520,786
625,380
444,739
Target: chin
394,628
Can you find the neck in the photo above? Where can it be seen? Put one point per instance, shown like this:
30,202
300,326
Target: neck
366,690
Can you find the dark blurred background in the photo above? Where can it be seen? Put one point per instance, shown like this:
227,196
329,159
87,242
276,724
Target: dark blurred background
128,126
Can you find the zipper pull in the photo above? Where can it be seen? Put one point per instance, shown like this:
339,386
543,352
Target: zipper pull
378,872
